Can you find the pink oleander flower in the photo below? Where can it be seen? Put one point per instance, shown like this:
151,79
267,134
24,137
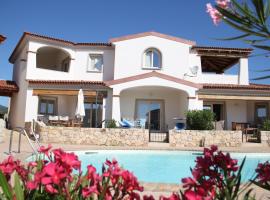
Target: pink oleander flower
209,174
88,191
148,197
45,150
223,3
214,14
174,196
263,173
9,165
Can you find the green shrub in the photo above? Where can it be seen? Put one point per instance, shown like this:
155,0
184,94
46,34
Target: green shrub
200,120
111,124
266,125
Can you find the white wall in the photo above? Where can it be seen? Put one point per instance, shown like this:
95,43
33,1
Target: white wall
129,56
236,112
218,78
78,64
175,102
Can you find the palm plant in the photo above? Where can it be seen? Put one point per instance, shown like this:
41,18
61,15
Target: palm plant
248,17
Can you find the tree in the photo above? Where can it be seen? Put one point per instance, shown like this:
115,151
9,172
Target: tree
250,17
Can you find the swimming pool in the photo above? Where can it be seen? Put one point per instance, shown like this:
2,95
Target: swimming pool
162,166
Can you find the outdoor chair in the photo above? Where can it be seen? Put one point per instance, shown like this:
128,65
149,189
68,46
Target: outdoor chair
126,124
64,120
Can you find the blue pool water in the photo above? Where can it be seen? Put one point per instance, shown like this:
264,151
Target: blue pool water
162,166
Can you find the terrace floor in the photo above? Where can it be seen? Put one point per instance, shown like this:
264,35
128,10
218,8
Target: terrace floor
150,188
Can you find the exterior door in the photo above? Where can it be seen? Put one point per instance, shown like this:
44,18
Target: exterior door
93,115
149,113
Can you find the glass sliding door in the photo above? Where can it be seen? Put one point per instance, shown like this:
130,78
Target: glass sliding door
150,114
93,114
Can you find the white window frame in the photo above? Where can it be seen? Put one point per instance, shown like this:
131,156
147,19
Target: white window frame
152,59
89,62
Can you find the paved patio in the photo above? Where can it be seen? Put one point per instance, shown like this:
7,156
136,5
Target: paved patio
150,188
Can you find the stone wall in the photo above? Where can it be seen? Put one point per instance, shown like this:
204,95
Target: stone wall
94,136
196,138
265,138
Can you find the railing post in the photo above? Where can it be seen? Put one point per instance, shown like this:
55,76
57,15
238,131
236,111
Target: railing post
20,138
10,142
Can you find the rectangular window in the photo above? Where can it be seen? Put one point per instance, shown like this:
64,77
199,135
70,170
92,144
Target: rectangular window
47,106
261,112
95,62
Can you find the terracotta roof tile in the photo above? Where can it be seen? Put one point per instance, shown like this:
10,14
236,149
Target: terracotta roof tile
66,41
221,48
8,86
153,33
67,82
251,86
98,44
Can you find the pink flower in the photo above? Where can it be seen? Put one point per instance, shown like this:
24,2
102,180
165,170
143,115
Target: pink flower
191,195
45,150
172,197
214,14
223,3
32,164
49,188
31,185
263,173
88,191
150,197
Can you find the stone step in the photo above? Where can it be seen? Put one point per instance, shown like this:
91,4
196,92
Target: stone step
158,144
250,144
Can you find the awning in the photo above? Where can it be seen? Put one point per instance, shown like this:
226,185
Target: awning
260,92
7,88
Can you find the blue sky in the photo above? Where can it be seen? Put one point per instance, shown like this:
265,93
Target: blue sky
97,21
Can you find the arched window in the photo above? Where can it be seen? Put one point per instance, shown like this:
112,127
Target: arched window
152,59
53,59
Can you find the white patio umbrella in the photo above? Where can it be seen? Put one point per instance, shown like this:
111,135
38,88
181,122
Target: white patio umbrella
80,112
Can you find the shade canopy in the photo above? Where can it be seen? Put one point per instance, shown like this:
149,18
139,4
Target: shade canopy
80,112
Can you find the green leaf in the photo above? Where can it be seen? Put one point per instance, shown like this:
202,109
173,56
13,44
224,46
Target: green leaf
244,29
244,9
18,188
267,9
264,47
233,38
263,70
228,14
259,6
5,186
261,78
247,195
255,41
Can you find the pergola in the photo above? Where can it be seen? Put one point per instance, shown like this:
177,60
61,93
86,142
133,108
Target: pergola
218,59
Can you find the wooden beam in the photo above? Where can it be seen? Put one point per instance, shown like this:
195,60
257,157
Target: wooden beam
39,92
208,62
232,97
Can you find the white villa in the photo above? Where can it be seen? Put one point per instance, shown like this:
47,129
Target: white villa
148,77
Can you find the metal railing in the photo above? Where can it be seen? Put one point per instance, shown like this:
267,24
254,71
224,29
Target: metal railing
21,132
